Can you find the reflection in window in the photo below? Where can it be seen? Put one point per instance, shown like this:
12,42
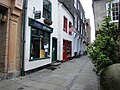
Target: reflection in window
47,9
40,44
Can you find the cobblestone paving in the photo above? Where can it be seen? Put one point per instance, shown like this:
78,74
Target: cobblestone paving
76,74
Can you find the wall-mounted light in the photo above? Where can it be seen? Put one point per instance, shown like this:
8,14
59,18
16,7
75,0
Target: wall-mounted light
33,9
4,18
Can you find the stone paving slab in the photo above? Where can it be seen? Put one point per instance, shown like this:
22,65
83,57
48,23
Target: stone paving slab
76,74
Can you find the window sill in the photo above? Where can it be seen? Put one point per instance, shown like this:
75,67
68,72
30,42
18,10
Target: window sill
36,59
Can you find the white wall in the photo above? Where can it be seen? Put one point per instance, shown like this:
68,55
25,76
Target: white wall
55,24
38,4
62,34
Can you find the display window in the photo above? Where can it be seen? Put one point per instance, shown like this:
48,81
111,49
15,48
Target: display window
40,44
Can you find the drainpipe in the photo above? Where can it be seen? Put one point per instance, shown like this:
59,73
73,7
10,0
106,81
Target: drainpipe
23,36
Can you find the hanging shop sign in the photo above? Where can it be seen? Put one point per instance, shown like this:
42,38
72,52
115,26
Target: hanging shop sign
37,14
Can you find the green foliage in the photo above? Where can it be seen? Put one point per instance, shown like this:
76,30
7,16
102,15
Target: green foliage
103,51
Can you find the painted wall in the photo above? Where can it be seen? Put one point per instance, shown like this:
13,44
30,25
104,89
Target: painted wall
55,24
62,34
38,5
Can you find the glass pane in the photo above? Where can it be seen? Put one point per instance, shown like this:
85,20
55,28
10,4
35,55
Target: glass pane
47,9
35,47
113,18
113,5
40,44
35,32
45,45
117,17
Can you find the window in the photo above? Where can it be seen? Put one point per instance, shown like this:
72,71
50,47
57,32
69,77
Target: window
115,11
75,21
75,4
65,24
115,5
47,9
40,44
78,6
70,25
81,15
81,30
78,25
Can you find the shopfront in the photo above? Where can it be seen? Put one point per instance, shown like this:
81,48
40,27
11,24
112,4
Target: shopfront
39,41
67,50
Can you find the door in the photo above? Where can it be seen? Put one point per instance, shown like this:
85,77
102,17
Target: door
54,49
64,51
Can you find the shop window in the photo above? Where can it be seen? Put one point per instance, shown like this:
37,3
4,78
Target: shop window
65,24
70,25
47,9
40,44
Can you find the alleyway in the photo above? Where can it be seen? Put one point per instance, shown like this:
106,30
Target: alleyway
76,74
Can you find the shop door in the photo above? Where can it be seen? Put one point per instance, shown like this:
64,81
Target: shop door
54,49
64,50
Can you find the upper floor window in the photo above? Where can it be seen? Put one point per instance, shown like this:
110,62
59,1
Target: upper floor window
78,6
114,7
75,22
75,4
65,24
70,25
47,9
78,25
115,11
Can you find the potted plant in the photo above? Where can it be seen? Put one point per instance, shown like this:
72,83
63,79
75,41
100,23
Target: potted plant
47,21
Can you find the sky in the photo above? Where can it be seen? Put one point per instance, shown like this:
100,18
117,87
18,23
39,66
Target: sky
87,6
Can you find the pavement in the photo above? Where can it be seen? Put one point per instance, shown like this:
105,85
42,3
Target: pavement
75,74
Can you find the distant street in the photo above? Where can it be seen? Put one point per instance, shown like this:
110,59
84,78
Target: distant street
76,74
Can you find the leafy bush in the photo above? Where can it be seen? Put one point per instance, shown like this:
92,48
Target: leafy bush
103,51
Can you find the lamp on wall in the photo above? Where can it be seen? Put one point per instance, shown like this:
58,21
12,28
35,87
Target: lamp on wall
4,18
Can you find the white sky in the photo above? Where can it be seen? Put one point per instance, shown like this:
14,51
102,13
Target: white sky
87,5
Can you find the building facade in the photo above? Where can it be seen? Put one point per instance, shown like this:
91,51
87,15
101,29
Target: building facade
100,8
10,38
37,33
78,34
41,33
65,23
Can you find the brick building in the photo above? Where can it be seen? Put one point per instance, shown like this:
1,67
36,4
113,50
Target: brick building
10,37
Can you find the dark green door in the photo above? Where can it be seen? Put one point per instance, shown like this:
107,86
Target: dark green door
54,49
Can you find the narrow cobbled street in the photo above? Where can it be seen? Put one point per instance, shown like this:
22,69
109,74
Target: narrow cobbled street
76,74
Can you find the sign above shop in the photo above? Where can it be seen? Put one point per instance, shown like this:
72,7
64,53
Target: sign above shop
39,25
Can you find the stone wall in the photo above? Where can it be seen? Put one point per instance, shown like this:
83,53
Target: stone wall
99,11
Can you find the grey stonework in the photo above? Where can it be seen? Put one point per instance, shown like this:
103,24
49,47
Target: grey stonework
99,8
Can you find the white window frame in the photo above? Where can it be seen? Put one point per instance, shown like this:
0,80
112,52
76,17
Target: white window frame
107,6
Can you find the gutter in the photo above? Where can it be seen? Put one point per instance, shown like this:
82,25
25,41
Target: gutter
23,36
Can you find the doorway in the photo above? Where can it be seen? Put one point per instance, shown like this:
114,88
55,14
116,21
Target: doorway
54,49
64,50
